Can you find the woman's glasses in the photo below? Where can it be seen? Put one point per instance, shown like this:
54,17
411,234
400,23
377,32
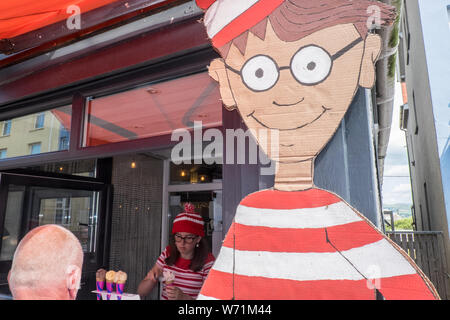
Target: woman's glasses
187,239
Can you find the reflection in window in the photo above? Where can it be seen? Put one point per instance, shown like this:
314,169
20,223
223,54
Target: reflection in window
13,220
76,210
85,168
6,128
21,137
39,123
3,153
153,110
35,148
195,173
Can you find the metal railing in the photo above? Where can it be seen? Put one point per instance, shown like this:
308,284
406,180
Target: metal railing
426,248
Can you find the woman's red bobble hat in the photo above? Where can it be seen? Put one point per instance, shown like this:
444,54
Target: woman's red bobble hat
189,221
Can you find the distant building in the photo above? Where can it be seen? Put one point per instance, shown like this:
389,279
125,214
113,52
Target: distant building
425,69
32,134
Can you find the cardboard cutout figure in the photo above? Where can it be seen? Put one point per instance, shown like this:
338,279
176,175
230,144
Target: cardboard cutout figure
295,66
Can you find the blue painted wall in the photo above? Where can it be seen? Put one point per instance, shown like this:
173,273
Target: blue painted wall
346,165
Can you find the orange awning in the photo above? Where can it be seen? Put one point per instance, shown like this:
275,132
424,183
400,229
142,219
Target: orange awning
21,16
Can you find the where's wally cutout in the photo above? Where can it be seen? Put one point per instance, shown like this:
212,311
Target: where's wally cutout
294,66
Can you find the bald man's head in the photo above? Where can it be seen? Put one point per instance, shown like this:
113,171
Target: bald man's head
46,258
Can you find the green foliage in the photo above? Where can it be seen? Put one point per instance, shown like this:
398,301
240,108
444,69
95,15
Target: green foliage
393,40
402,224
392,64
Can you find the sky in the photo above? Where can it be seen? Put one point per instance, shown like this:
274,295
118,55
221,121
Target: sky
396,181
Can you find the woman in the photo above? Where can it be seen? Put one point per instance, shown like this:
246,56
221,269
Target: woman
187,257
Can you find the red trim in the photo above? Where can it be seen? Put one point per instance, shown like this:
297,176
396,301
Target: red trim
204,4
343,237
273,199
245,21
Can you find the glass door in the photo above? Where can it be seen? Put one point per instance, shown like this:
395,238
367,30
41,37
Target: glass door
201,185
79,206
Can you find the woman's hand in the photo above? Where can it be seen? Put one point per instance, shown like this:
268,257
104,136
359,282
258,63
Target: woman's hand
150,280
154,274
175,293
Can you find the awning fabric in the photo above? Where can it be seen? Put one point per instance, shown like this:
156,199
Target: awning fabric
21,16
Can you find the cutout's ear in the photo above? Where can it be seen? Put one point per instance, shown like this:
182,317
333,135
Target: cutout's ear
372,49
218,72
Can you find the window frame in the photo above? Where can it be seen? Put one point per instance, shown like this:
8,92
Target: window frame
171,68
102,249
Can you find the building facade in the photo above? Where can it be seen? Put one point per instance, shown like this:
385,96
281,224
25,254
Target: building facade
424,65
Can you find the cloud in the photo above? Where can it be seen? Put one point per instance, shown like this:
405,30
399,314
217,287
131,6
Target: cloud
394,193
402,188
397,170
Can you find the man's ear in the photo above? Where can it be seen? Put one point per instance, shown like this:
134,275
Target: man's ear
218,72
73,279
372,49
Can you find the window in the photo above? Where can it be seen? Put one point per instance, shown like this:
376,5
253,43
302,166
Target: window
85,168
39,123
6,128
448,13
3,153
76,210
13,220
35,148
33,134
64,136
195,173
62,211
153,110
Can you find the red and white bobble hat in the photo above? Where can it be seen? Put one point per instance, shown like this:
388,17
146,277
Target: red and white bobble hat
189,221
227,19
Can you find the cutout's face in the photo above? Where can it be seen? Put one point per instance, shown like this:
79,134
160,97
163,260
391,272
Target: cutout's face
301,88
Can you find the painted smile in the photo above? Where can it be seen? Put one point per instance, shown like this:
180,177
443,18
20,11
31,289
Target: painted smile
287,105
324,110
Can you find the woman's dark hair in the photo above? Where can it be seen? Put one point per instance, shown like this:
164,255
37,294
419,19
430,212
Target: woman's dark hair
200,254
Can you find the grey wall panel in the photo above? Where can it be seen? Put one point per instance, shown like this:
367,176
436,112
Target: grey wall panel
136,218
345,166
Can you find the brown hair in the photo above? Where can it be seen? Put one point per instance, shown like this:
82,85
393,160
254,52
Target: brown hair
200,254
296,19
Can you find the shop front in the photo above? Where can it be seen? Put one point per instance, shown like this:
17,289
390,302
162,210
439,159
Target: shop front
87,141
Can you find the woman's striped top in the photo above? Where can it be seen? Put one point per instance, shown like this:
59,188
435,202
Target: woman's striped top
309,245
188,281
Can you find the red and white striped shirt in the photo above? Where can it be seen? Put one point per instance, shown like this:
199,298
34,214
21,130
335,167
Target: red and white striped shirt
188,281
309,245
